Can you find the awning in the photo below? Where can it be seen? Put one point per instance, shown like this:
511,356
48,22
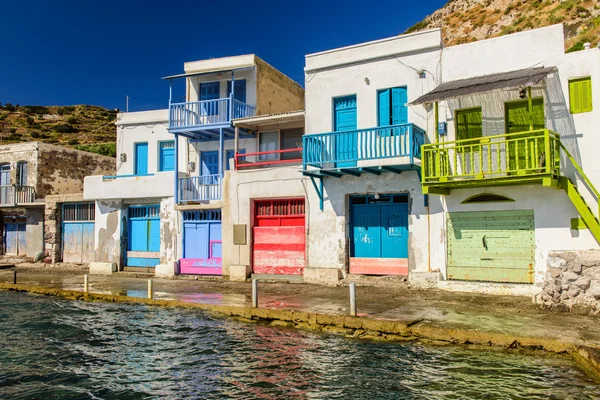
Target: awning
216,71
484,83
256,122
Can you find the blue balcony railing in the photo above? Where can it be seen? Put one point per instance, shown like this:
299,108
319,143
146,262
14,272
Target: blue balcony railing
199,188
207,112
348,149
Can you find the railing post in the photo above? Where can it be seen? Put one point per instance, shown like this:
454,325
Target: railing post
150,289
548,158
176,170
353,299
254,293
410,143
85,283
231,106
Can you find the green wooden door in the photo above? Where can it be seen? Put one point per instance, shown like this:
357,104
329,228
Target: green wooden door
524,152
493,246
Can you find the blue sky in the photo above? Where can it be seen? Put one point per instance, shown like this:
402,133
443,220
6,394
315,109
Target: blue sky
66,52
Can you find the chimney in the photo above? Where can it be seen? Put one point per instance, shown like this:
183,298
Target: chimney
587,46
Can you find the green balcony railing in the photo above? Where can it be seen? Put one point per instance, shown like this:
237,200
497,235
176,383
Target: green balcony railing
513,156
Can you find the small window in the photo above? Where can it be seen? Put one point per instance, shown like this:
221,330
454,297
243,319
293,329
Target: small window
469,124
486,198
167,156
22,173
268,141
580,95
291,139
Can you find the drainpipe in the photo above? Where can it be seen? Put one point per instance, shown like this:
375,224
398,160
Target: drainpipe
236,145
437,120
220,162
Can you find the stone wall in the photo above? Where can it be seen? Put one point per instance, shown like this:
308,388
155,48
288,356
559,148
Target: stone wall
572,281
275,92
53,224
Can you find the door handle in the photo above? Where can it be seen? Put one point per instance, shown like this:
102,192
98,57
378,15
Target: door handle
483,241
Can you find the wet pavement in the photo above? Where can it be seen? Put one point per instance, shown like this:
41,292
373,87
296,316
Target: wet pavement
510,315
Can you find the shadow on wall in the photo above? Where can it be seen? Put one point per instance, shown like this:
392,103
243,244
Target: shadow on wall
561,120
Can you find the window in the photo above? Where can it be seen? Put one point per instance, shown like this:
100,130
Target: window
22,173
166,156
4,174
580,95
239,92
284,139
392,106
268,141
469,124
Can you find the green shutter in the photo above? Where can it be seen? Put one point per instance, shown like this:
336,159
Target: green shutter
469,124
580,95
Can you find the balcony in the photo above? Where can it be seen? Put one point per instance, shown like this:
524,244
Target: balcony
509,159
16,195
375,150
99,187
199,188
206,115
262,159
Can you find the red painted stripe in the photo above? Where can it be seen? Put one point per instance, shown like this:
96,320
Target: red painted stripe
300,247
379,266
278,270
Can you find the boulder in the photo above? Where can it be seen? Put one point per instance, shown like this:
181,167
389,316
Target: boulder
583,283
569,277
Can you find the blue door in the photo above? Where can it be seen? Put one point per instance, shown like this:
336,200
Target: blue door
209,161
141,159
15,238
399,109
202,242
210,91
167,156
346,146
380,230
239,92
143,245
5,190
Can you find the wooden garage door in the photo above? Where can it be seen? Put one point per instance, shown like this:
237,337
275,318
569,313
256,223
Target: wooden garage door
279,239
78,232
492,246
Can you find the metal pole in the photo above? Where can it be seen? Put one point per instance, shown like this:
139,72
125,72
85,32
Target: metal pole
236,146
176,170
150,291
353,299
86,285
127,104
14,277
530,107
254,293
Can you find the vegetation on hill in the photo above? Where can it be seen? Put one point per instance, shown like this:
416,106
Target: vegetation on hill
87,128
464,21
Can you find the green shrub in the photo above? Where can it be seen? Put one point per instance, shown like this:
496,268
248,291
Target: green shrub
12,130
105,149
13,137
65,110
577,46
9,107
51,140
72,120
29,121
65,128
35,135
36,110
73,142
416,27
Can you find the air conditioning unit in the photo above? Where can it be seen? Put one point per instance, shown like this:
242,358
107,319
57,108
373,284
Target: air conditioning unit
123,157
191,166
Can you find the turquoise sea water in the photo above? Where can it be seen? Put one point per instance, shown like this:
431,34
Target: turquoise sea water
58,349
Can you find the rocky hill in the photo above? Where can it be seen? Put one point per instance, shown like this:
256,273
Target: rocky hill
464,21
88,128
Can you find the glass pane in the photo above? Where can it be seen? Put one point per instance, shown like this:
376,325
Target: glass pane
291,139
268,141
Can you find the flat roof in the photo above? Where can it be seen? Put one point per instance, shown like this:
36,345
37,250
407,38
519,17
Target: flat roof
269,119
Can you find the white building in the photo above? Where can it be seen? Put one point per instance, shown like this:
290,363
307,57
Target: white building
163,207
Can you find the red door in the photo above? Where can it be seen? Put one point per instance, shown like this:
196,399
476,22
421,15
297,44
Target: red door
279,239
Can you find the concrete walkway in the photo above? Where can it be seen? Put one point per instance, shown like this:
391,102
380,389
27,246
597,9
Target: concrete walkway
509,315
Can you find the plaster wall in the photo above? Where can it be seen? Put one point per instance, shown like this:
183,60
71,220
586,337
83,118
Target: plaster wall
328,239
365,79
193,84
12,154
132,187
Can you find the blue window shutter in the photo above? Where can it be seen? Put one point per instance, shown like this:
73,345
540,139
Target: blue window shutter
209,90
167,156
399,109
210,163
240,90
230,155
384,107
141,159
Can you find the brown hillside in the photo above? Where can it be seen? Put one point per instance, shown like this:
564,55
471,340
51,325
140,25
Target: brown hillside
464,21
89,128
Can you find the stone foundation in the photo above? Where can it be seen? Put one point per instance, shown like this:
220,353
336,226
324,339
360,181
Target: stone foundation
322,276
572,281
239,272
53,225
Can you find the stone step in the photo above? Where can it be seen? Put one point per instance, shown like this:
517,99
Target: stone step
142,270
278,278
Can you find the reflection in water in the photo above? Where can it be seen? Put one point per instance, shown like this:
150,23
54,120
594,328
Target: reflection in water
54,348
